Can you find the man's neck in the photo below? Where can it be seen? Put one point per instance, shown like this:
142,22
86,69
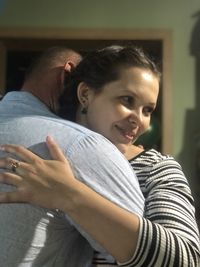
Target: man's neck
42,95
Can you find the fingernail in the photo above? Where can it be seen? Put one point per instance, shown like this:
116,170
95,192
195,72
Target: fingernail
50,138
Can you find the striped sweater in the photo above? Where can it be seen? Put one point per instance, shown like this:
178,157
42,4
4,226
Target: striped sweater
169,235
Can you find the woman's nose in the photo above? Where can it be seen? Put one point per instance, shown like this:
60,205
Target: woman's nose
136,117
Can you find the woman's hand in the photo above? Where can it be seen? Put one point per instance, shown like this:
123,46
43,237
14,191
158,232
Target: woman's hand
51,184
37,181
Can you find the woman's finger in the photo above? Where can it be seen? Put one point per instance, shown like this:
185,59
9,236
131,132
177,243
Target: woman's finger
55,151
16,166
10,178
9,163
11,197
20,152
5,163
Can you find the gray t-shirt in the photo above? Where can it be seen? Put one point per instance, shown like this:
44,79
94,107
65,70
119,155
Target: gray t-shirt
33,236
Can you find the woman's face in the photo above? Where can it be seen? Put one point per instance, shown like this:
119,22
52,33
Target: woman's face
122,111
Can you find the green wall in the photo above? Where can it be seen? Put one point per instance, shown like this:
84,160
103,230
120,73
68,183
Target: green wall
175,15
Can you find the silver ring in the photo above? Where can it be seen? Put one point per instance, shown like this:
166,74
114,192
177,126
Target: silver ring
14,165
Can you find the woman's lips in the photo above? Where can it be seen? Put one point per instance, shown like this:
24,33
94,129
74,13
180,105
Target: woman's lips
127,134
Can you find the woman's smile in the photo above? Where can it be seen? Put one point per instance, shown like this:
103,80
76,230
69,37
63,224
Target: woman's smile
127,134
126,103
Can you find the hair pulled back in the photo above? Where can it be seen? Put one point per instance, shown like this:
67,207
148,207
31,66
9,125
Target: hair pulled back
99,68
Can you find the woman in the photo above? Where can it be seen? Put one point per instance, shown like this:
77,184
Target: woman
114,92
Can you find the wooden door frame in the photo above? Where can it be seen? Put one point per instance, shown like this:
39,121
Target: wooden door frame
104,34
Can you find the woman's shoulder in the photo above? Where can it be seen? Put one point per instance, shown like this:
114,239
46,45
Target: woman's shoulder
151,157
156,155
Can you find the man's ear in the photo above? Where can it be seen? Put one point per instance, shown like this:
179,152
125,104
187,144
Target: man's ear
83,93
68,67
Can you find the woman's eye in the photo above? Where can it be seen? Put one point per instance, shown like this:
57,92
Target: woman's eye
148,110
128,100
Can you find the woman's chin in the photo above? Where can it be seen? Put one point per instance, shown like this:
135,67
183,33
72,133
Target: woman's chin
123,147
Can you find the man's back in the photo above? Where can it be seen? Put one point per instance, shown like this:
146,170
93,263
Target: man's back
31,236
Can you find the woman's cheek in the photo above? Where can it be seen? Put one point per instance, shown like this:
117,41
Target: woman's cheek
143,129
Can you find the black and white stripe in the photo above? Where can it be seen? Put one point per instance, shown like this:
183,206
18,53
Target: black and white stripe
169,234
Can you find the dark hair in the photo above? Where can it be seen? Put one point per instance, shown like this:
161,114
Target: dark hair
49,58
98,68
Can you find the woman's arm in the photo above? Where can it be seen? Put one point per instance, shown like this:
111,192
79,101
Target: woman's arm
173,237
51,184
141,240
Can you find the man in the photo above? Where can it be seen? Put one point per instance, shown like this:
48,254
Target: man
32,236
45,77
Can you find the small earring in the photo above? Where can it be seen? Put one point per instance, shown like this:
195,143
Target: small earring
84,110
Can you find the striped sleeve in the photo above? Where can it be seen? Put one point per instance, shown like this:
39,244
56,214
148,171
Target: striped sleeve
168,234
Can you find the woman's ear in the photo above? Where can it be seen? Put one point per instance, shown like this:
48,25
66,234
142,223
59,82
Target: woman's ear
83,93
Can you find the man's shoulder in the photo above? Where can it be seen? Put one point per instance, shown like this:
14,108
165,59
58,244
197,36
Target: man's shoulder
69,135
60,123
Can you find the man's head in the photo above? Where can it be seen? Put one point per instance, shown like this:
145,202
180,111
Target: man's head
45,77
